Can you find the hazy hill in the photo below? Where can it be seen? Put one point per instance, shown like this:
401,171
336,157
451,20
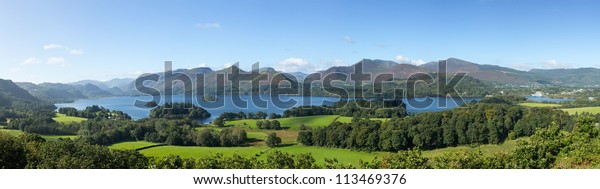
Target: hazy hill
10,92
209,77
373,67
487,72
571,77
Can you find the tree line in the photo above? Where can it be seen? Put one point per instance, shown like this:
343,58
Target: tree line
179,111
94,112
477,123
377,108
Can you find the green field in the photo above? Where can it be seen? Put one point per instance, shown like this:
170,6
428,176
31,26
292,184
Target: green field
132,145
47,137
592,110
342,155
534,104
196,151
293,123
62,118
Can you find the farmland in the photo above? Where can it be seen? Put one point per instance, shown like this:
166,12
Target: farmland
47,137
535,104
592,110
293,123
62,118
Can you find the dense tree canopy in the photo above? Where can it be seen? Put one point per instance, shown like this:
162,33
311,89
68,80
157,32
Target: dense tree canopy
179,111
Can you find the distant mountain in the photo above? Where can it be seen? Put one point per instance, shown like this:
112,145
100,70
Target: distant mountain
120,83
300,76
373,67
53,92
92,91
10,92
486,72
210,79
570,77
57,92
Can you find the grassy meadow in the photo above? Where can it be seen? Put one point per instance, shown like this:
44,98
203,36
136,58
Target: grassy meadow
132,145
292,123
537,104
592,110
47,137
62,118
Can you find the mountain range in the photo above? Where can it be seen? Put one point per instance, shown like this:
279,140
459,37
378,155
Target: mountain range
580,77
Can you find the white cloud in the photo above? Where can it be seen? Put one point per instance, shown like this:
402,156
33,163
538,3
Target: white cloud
524,67
348,39
202,65
14,70
56,61
52,46
31,61
553,64
406,60
296,65
75,51
208,25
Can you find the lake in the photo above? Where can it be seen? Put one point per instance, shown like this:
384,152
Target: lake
548,99
263,103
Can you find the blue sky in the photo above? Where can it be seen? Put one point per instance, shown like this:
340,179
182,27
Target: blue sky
65,41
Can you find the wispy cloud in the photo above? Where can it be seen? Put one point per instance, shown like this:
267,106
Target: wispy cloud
15,70
296,65
57,46
208,25
405,60
31,61
56,61
348,39
52,46
553,64
75,51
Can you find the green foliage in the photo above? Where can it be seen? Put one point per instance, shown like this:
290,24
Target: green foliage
273,140
12,152
94,112
179,111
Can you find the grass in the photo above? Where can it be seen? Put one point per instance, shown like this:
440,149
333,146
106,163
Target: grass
320,153
47,137
592,110
293,123
486,149
197,152
132,145
62,118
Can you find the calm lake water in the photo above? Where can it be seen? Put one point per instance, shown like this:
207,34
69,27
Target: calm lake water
548,99
265,104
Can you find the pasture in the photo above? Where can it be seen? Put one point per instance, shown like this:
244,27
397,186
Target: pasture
293,123
592,110
537,104
62,118
47,137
